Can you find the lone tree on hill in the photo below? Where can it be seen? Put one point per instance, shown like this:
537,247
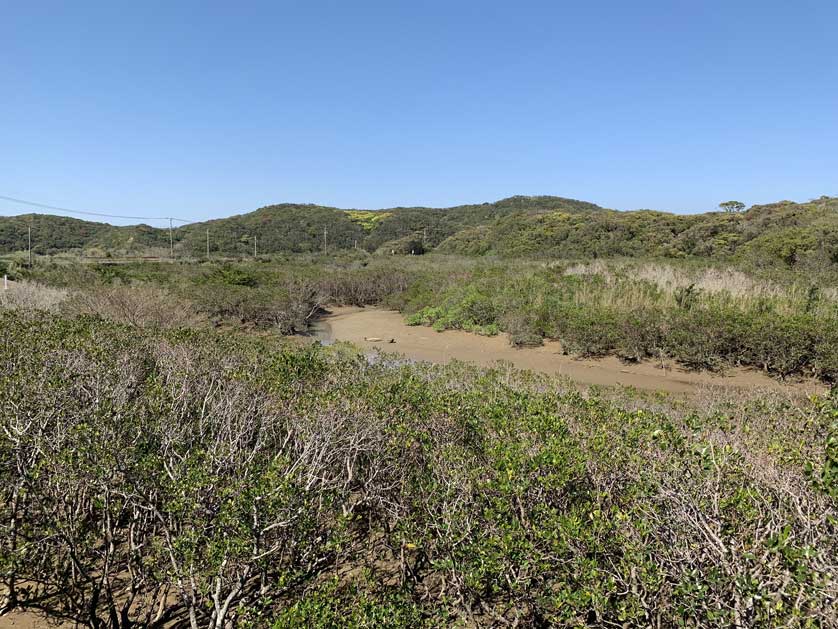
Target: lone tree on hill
732,206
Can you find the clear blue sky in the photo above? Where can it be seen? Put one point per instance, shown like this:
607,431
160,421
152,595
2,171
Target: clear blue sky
204,109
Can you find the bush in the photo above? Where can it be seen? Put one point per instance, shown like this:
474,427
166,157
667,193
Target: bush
641,333
32,296
726,319
780,345
363,287
139,305
825,361
186,476
587,331
522,330
352,607
231,276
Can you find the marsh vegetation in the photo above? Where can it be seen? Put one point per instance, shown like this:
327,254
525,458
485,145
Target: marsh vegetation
202,477
702,316
175,452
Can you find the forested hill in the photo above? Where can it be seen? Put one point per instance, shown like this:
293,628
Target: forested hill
286,227
784,232
58,234
542,226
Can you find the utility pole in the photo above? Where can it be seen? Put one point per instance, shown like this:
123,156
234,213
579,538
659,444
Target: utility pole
207,243
424,236
30,245
254,246
171,240
324,241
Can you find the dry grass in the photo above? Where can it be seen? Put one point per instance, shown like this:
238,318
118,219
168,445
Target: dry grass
32,296
669,278
140,305
623,288
598,267
713,280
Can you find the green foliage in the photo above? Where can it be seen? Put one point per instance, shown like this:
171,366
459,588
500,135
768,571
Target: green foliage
368,219
436,224
317,489
783,321
292,228
686,296
472,311
635,320
829,472
282,228
799,235
50,234
334,607
732,206
781,234
231,275
789,245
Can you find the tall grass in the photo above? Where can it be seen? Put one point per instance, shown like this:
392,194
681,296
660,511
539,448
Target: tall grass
704,317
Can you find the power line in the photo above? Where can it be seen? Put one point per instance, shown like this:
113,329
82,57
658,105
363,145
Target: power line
87,213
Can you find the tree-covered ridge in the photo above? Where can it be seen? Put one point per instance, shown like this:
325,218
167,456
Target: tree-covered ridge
781,232
59,234
286,228
133,239
281,228
436,224
51,233
537,226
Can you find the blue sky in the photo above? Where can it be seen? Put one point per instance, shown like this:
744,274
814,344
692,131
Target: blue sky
204,109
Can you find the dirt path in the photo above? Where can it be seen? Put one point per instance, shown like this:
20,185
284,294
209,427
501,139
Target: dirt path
356,325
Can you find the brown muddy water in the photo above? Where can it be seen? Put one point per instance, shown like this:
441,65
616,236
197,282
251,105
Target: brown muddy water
373,329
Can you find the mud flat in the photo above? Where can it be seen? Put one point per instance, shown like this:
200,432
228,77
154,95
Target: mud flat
361,325
26,620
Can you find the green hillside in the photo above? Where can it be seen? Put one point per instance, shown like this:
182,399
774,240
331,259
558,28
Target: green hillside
133,240
783,232
539,227
50,234
437,224
60,234
282,228
286,228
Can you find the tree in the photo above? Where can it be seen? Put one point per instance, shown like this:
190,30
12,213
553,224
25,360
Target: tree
732,206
